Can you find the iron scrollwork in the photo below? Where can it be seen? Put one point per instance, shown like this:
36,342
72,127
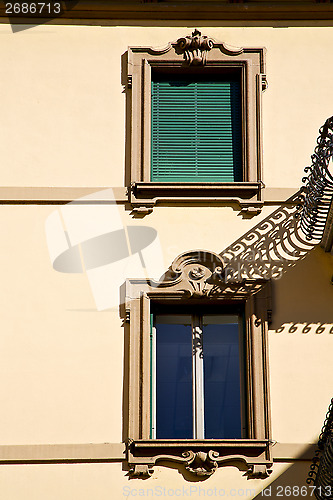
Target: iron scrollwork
268,249
318,190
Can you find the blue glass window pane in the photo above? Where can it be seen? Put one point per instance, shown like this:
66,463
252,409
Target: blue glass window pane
174,413
222,401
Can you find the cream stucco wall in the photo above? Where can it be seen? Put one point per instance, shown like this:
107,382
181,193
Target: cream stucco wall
61,360
63,107
105,481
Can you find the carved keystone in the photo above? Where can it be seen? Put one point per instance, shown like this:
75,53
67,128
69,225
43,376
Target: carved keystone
194,47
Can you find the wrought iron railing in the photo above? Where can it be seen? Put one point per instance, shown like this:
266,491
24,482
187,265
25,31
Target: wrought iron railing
321,469
317,193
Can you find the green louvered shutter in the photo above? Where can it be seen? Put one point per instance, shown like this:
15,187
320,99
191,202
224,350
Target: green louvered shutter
196,131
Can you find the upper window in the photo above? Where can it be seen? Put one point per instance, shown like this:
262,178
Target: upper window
195,132
196,129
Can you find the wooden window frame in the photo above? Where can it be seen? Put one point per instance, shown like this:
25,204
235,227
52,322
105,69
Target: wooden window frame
198,390
197,278
194,149
141,62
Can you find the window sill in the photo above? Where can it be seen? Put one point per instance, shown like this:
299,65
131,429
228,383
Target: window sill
200,457
145,195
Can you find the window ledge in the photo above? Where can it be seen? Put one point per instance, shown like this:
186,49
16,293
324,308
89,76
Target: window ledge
147,194
200,457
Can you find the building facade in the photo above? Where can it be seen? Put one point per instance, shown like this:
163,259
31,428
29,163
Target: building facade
167,324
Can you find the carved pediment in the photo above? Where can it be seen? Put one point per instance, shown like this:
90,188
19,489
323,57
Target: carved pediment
202,274
196,274
194,47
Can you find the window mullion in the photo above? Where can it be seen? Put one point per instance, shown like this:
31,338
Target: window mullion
198,379
197,172
153,381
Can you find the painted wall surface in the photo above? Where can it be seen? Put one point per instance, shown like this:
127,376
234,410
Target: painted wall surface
61,360
65,101
105,481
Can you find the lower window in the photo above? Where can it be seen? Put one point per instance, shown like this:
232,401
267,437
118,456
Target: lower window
197,375
197,380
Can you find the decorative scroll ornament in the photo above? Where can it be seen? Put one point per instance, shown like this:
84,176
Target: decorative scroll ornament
195,47
201,463
318,189
198,272
202,460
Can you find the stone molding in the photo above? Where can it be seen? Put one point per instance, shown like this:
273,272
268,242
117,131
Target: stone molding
197,278
200,458
203,54
89,11
116,452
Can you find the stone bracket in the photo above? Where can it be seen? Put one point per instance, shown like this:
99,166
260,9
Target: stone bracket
143,196
200,458
259,471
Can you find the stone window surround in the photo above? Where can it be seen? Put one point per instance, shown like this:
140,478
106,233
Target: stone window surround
141,61
204,286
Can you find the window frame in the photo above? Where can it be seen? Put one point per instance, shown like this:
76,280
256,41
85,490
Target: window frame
197,315
192,87
182,287
141,62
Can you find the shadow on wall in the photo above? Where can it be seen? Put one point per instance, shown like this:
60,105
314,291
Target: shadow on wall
271,247
303,299
292,482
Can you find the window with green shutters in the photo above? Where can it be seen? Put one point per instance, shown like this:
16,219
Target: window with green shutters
196,130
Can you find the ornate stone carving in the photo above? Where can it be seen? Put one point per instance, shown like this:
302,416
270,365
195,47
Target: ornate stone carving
264,83
127,316
141,471
194,47
203,274
259,471
203,459
201,463
143,210
198,272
